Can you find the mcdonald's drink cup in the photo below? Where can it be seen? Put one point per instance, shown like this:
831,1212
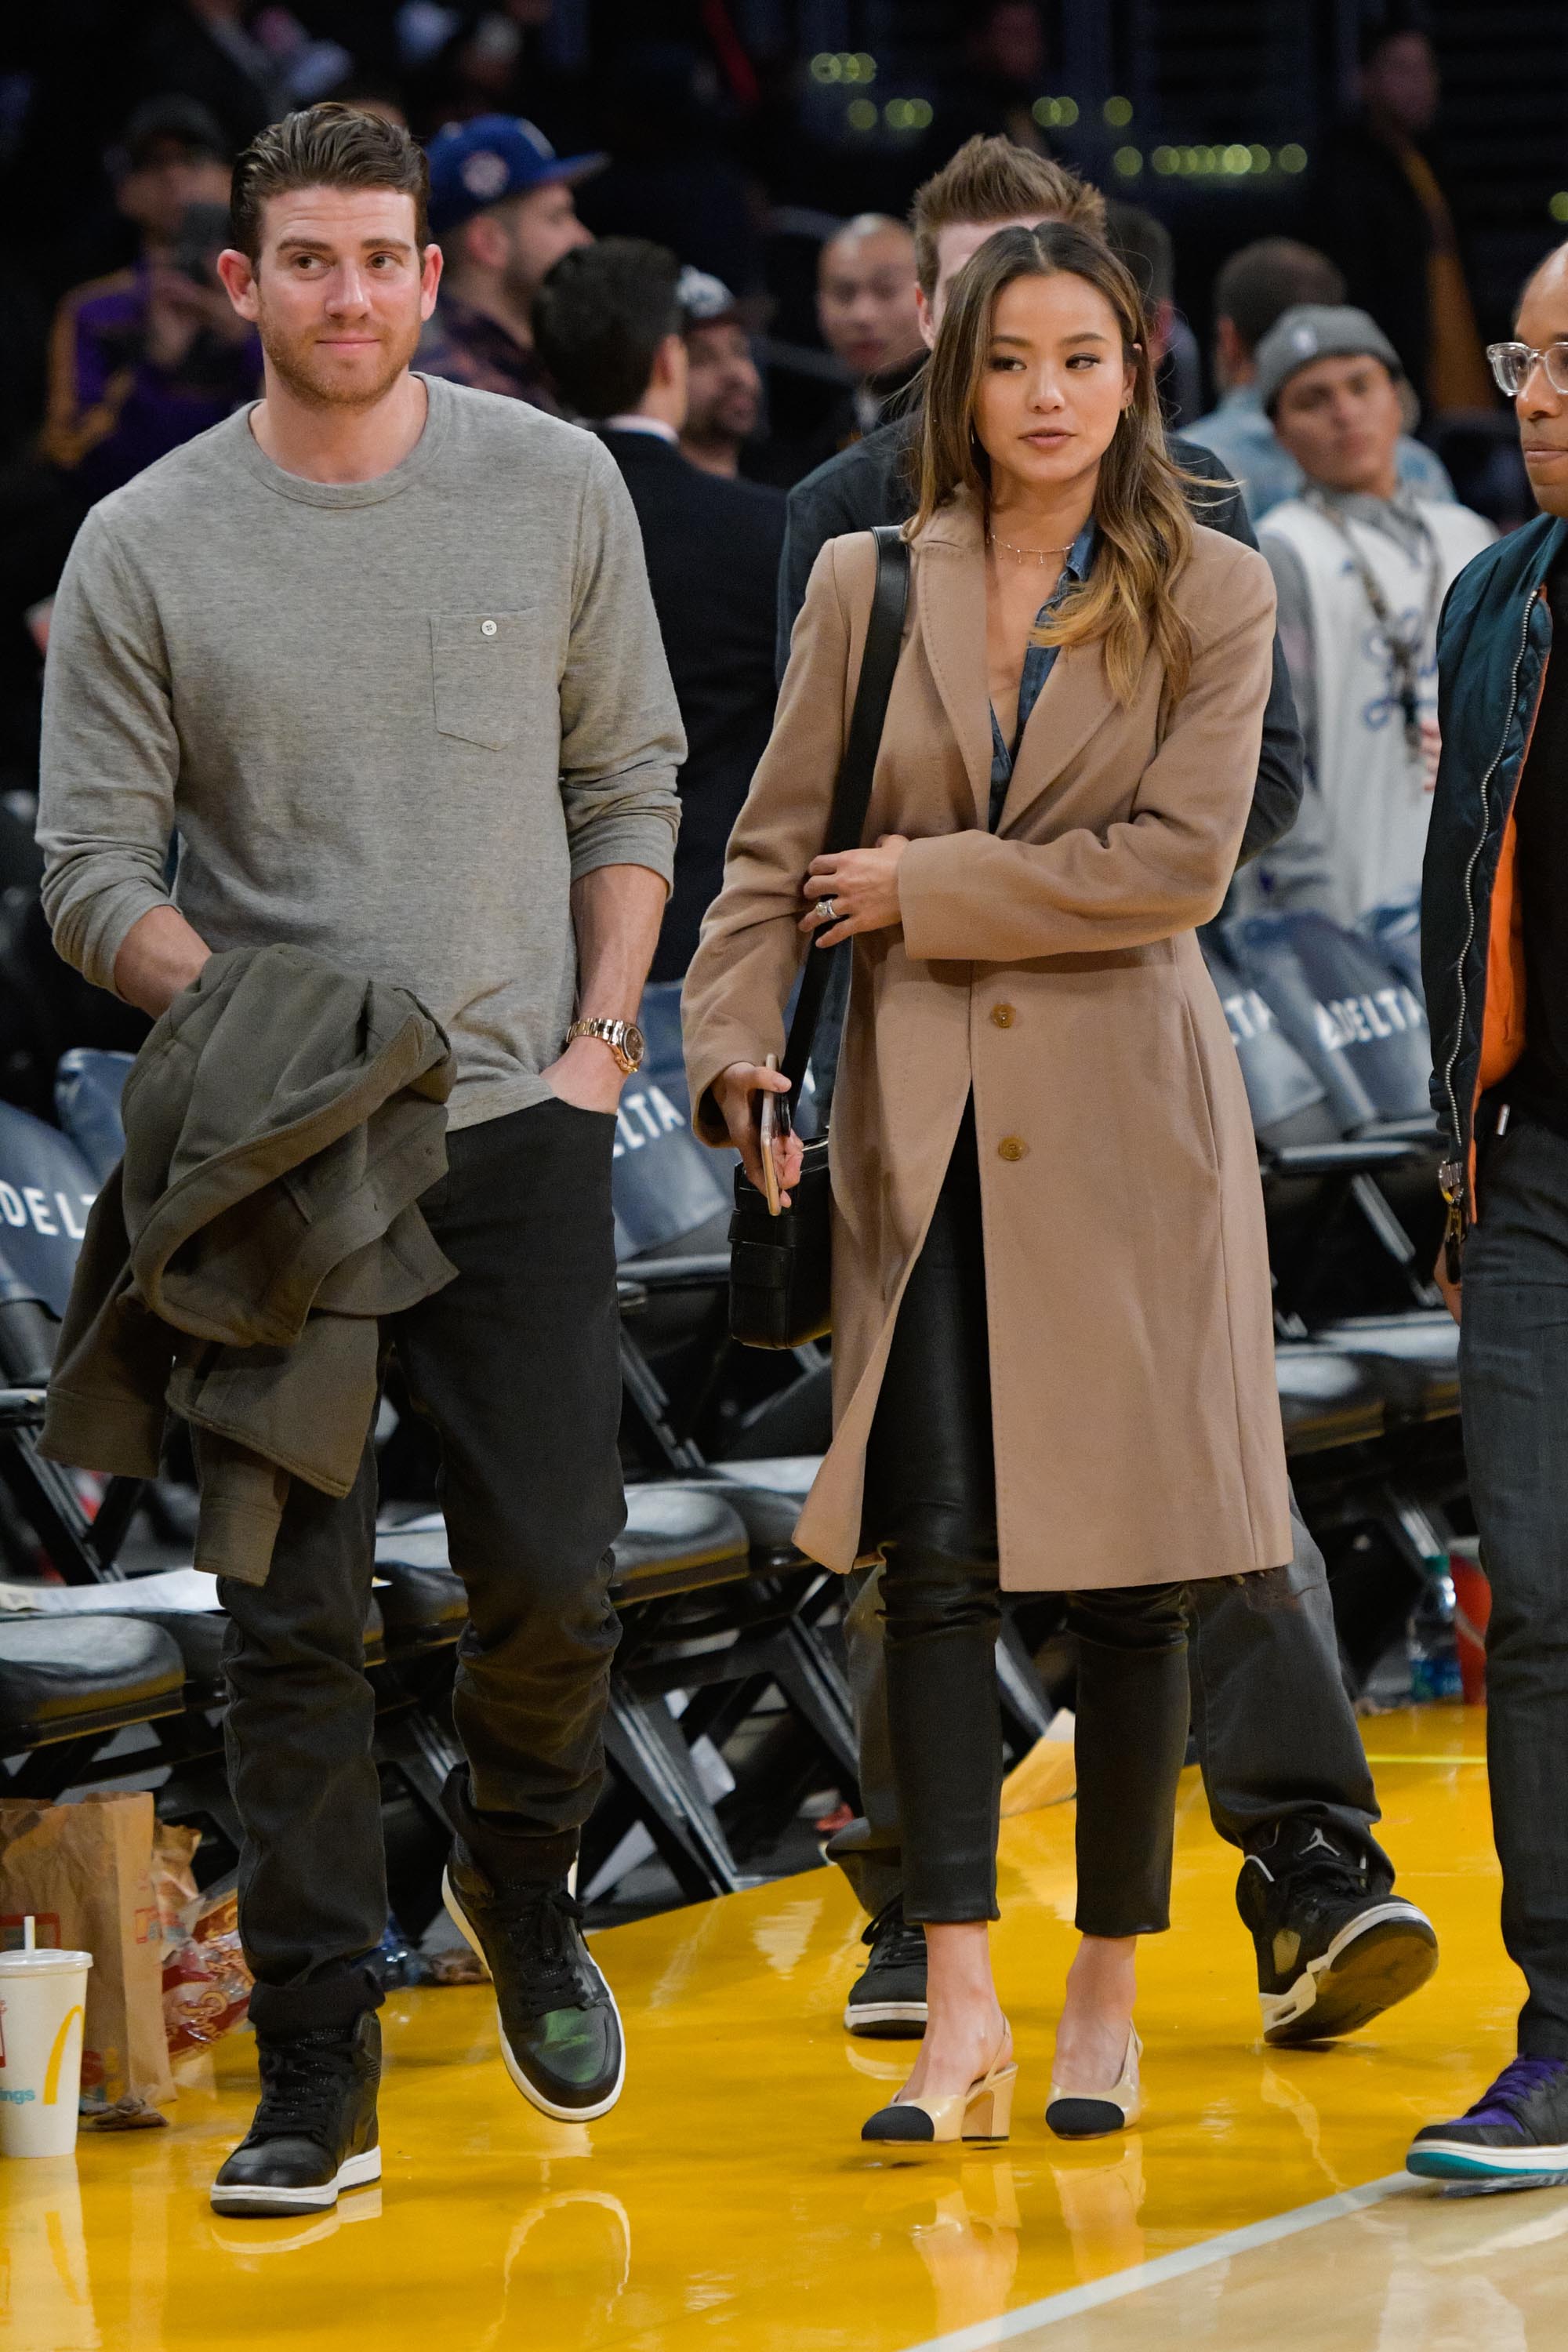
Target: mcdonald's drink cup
42,1999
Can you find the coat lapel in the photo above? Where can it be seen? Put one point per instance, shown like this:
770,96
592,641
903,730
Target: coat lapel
952,603
1074,703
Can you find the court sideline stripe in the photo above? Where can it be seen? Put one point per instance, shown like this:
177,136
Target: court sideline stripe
1074,2301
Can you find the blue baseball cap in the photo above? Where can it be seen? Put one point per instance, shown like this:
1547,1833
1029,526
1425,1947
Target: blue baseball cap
476,164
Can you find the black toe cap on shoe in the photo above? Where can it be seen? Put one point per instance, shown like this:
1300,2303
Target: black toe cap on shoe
1085,2118
904,2122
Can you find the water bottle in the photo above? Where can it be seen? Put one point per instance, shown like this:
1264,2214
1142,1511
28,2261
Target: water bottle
1431,1644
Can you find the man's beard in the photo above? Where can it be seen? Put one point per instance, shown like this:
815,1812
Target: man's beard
723,425
310,377
519,285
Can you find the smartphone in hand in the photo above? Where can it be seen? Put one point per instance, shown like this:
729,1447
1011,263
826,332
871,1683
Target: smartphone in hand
773,1125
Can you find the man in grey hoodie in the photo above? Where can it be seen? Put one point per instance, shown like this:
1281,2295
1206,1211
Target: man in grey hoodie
381,648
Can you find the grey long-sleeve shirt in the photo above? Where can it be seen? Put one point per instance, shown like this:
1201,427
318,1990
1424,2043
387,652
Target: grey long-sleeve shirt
393,722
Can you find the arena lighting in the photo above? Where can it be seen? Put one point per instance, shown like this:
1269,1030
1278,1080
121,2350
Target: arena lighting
1128,161
908,114
1054,113
1558,207
1117,112
1235,162
861,114
843,64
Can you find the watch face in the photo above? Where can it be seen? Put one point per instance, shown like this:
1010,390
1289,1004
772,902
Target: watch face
633,1044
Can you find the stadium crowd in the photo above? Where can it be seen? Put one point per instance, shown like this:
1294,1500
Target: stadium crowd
603,264
124,345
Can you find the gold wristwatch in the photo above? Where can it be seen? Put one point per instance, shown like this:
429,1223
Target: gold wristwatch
624,1038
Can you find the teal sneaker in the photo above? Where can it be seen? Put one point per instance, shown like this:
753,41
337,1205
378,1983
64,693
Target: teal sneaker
1516,2131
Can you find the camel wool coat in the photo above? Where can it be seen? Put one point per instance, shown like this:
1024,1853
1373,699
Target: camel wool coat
1051,968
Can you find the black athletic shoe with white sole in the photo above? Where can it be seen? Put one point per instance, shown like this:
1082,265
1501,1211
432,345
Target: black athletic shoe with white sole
1332,1953
1516,2131
561,2037
888,2001
314,2132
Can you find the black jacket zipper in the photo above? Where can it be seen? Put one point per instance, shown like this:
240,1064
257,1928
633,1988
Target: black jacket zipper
1453,1176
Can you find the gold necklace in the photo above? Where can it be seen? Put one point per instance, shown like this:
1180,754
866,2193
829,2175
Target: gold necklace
1041,555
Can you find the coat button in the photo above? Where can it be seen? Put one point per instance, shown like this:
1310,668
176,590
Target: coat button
1012,1147
487,628
1003,1015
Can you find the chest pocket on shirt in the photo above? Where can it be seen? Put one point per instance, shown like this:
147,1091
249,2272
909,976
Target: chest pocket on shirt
477,676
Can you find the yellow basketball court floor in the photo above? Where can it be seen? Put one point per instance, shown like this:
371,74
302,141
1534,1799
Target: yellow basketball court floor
728,2201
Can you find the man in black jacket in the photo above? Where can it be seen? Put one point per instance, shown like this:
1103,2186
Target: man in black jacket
610,326
1494,954
1282,1760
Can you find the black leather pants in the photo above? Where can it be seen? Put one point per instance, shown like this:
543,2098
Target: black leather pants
931,1502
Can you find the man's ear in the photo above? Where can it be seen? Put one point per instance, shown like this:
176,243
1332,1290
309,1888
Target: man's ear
671,364
1233,361
927,324
484,242
238,279
1161,321
430,267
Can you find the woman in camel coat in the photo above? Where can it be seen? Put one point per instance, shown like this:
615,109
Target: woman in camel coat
1053,1352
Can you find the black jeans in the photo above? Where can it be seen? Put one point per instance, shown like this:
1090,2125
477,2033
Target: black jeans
931,1504
1513,1366
517,1364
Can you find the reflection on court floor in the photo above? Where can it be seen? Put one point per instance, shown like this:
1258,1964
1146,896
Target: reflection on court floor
729,2202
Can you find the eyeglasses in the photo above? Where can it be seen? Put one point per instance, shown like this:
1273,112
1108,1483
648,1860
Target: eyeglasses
1513,364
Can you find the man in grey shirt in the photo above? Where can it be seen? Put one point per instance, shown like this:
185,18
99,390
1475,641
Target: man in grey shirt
381,650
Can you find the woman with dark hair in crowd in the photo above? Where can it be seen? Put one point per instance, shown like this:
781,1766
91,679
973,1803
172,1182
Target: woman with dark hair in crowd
1053,1351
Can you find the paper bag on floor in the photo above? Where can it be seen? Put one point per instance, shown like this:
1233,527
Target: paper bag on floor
84,1871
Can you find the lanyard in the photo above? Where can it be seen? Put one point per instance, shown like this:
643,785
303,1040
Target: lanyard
1405,647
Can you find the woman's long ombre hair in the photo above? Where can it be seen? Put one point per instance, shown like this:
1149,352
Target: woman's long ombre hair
1145,525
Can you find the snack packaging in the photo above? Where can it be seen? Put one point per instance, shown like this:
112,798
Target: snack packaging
206,1985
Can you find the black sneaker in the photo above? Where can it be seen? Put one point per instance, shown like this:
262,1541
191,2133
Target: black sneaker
1518,2131
1332,1953
561,2034
314,2132
888,2001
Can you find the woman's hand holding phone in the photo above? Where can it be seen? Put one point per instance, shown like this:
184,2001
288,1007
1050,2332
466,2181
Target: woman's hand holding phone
739,1090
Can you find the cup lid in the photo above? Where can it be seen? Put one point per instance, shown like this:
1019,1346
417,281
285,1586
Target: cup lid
47,1961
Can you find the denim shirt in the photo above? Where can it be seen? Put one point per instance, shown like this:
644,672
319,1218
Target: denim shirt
1039,663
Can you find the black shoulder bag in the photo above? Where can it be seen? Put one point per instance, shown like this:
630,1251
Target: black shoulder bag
780,1267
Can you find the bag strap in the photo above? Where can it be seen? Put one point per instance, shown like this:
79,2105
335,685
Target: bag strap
852,791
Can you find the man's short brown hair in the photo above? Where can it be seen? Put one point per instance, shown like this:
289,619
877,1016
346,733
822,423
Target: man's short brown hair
326,146
1261,283
993,180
